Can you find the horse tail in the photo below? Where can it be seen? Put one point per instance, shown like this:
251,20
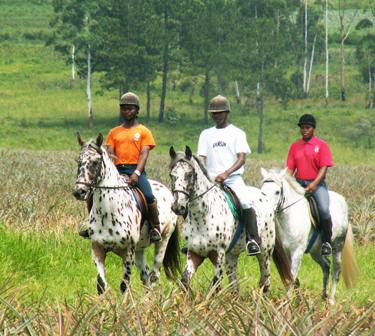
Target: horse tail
171,261
282,262
349,264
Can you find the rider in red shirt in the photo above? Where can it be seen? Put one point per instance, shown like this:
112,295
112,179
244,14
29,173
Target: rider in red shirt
308,160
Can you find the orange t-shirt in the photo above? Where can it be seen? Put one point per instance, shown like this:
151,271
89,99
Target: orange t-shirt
127,143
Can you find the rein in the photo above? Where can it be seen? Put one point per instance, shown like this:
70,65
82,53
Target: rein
282,198
185,192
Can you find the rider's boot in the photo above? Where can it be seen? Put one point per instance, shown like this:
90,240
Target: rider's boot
251,227
83,230
326,228
153,219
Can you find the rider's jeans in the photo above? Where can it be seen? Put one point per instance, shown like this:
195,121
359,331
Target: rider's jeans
321,196
238,185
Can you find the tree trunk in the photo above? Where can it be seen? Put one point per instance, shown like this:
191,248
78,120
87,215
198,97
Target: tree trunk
73,64
148,103
259,103
191,94
327,53
88,89
310,66
206,96
165,71
342,59
238,97
373,90
305,58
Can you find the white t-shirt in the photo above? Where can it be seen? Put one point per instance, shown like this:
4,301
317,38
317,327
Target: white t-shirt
220,146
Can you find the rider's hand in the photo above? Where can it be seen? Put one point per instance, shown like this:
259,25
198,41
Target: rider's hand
133,179
311,187
222,177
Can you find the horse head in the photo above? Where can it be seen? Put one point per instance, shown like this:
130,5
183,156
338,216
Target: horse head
272,185
89,166
182,175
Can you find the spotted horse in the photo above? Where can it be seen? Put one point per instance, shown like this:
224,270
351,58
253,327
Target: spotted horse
115,219
298,235
210,226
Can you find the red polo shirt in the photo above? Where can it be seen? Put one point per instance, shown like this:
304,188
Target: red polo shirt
308,157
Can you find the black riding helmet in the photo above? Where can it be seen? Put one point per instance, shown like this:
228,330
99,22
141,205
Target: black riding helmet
307,119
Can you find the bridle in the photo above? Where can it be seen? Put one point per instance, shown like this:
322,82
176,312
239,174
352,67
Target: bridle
279,207
189,196
94,184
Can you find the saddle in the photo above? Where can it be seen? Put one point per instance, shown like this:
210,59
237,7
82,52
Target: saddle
314,210
233,201
140,199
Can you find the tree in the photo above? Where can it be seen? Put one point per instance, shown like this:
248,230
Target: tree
205,30
366,55
263,66
309,16
346,25
72,25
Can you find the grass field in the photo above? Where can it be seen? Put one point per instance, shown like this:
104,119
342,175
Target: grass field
47,278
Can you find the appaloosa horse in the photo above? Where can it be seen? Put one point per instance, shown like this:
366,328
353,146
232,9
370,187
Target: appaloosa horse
298,236
115,220
210,227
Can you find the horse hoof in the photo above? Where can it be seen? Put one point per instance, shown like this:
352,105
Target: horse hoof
153,277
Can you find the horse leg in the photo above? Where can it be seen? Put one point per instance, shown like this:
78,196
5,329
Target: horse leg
231,262
336,271
98,254
193,261
127,256
218,259
264,260
140,262
160,248
325,265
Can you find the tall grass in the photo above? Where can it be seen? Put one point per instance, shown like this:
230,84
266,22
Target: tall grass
171,312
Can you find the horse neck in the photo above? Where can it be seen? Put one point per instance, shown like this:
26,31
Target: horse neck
294,216
290,194
202,182
109,173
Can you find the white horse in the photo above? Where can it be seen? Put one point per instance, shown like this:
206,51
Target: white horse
115,220
210,227
296,233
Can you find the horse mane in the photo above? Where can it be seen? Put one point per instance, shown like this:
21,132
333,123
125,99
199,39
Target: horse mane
202,166
291,180
180,156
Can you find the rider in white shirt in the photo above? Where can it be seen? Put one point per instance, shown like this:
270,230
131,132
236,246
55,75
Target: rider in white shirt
224,149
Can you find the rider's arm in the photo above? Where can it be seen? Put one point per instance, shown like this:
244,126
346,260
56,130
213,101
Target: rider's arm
241,158
143,158
321,175
140,165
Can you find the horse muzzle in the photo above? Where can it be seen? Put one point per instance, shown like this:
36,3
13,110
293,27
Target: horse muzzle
80,192
179,209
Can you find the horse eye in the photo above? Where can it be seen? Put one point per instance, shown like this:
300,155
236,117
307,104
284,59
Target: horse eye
277,192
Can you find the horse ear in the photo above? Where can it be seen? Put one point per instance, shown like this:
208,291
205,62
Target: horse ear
263,172
172,153
188,152
80,141
99,140
283,172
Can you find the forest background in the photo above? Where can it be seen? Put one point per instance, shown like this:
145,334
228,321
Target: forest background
64,65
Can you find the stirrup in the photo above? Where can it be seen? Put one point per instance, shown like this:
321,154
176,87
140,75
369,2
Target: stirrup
155,235
252,247
326,249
